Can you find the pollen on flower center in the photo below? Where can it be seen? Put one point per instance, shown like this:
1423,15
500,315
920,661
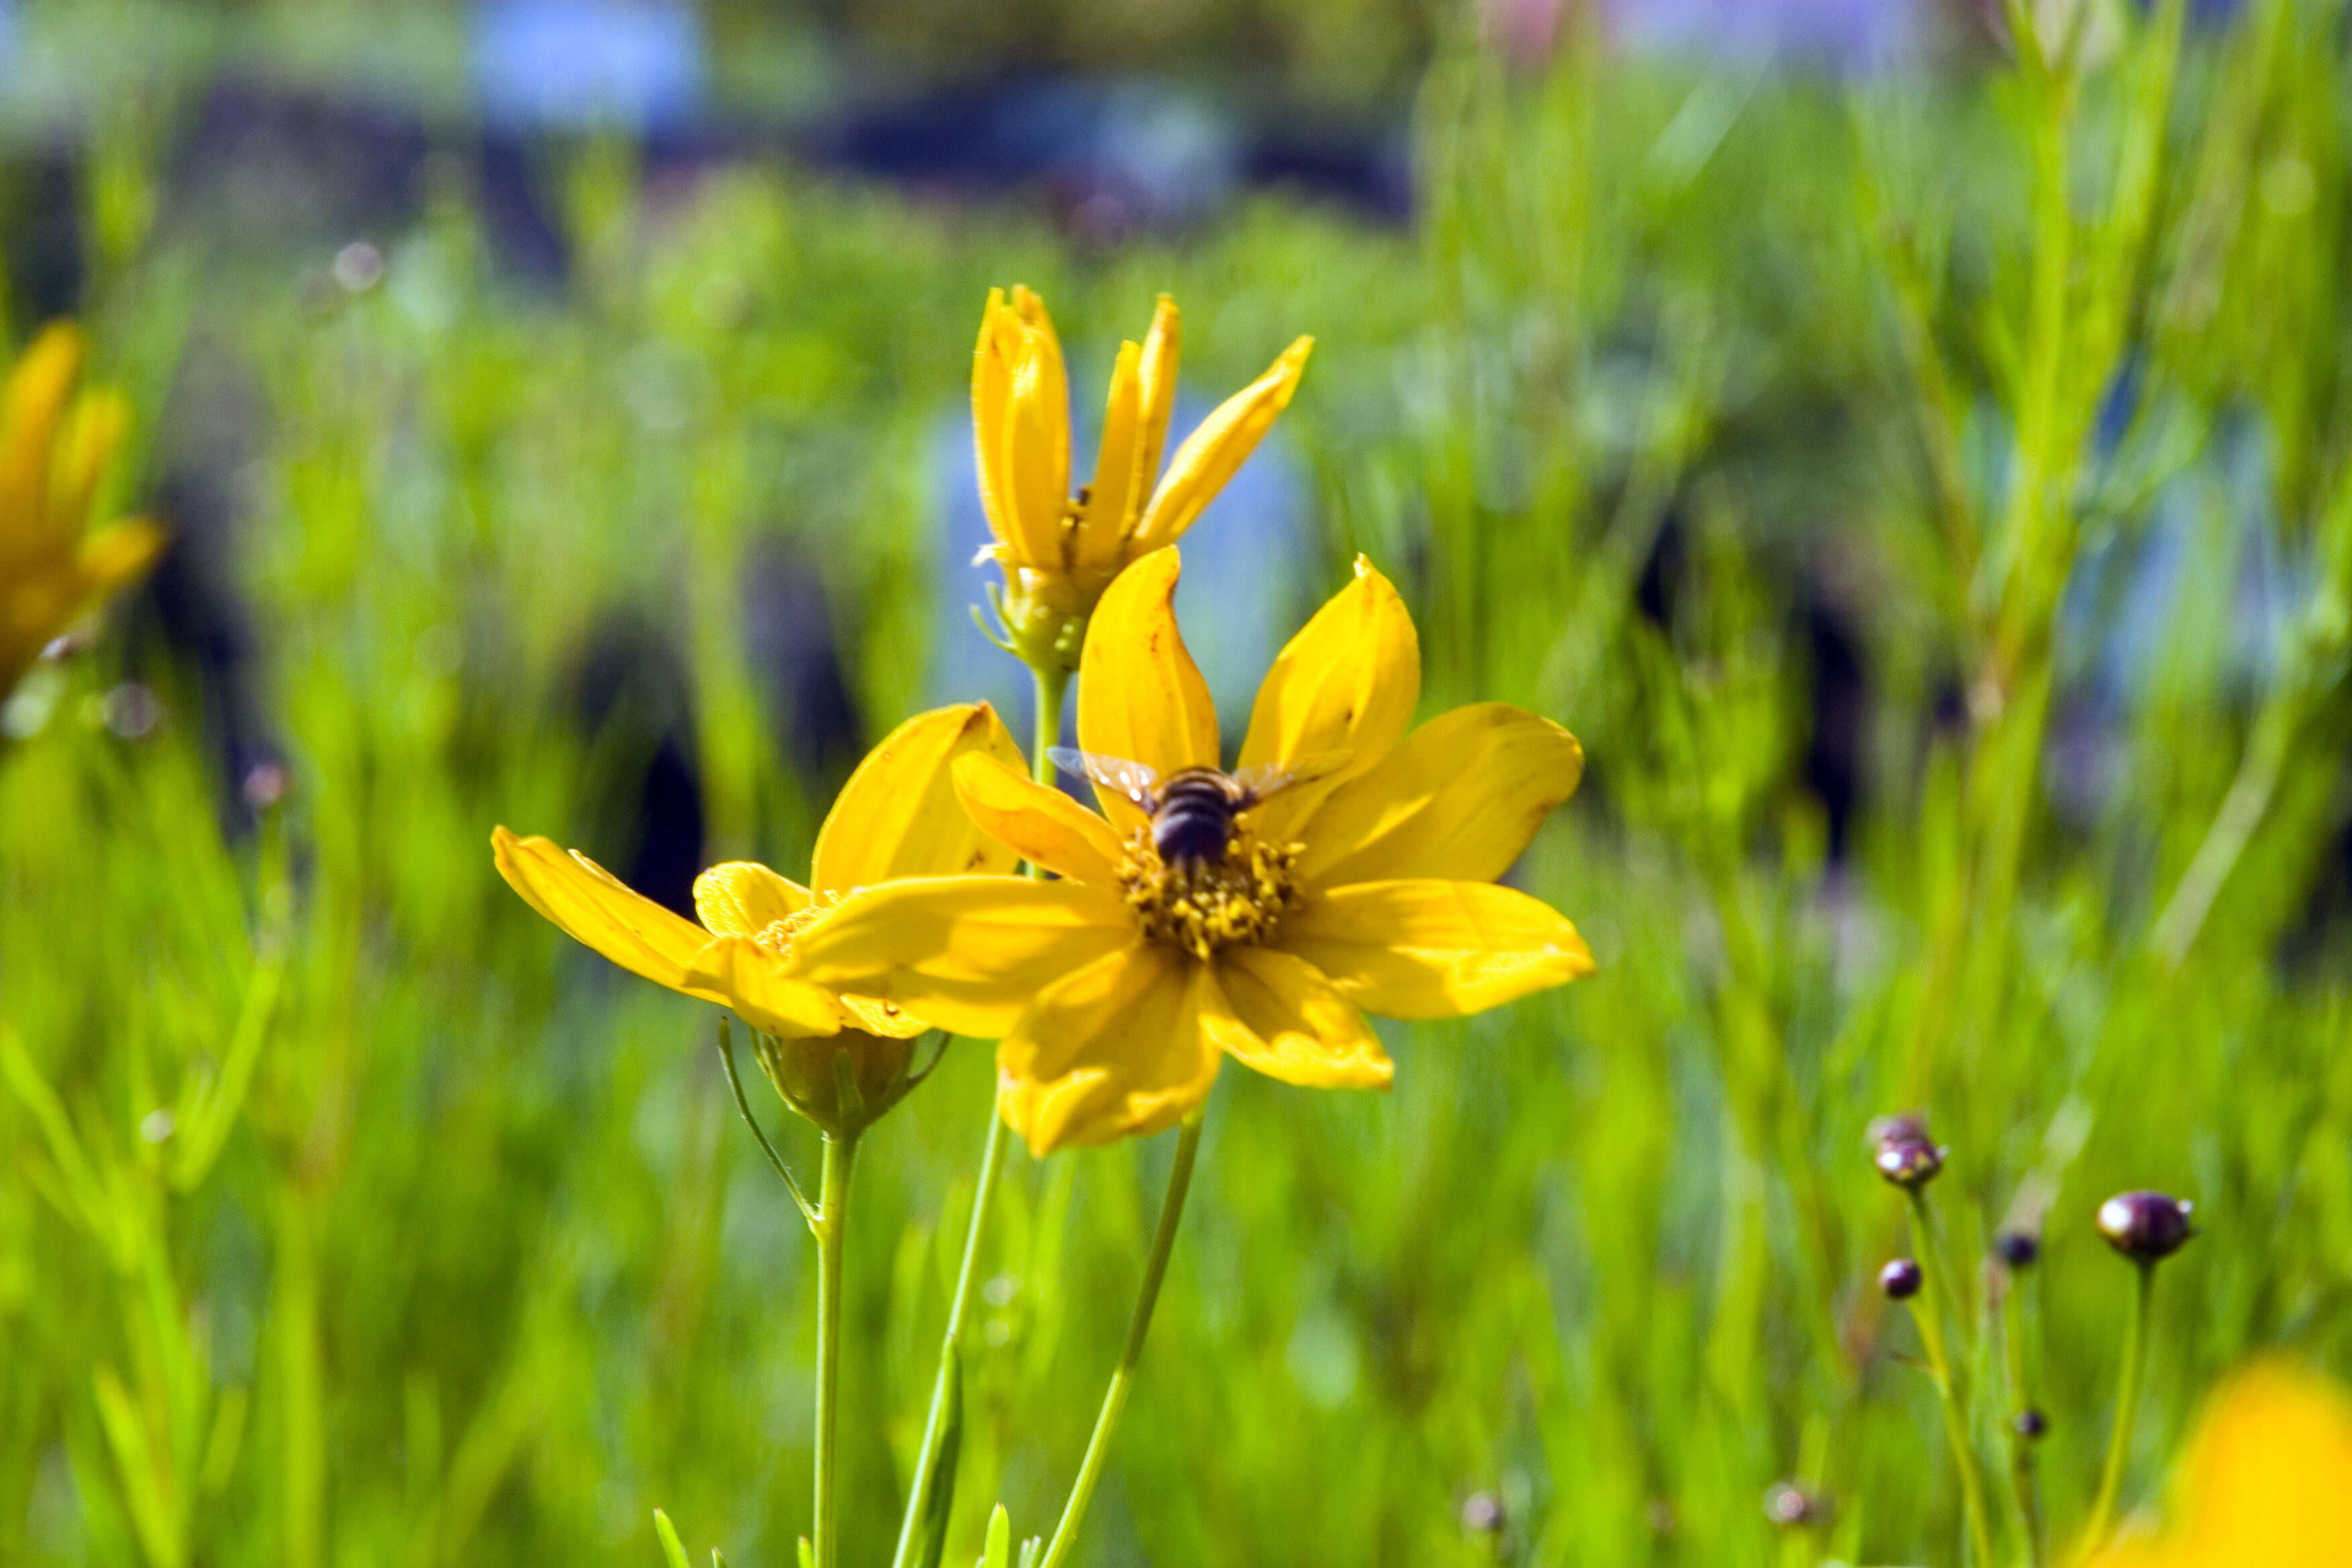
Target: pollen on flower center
1205,908
776,937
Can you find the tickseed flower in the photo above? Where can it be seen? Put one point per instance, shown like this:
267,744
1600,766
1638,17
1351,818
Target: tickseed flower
1060,553
1117,990
898,817
53,447
2267,1481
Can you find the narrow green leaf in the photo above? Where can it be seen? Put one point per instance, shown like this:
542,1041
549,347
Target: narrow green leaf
932,1536
673,1550
999,1551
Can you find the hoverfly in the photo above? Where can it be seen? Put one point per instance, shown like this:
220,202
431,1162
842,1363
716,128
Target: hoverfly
1193,809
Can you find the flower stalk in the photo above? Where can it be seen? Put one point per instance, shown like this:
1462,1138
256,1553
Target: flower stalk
1155,1269
1927,1310
2135,1373
830,1226
1052,684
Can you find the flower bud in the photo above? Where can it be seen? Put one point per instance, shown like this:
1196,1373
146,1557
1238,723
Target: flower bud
2018,1248
1483,1513
1790,1506
1909,1125
842,1082
2030,1425
1909,1161
1900,1279
2145,1226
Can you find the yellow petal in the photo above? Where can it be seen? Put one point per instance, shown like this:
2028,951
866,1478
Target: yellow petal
740,898
1431,949
747,977
963,953
1121,1048
1297,1027
117,553
1140,696
2267,1481
1036,438
991,380
1044,826
35,401
898,816
1347,682
87,439
1211,453
591,905
1102,538
877,1016
1156,378
1459,799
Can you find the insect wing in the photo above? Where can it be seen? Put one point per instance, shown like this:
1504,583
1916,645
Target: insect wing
1265,779
1117,774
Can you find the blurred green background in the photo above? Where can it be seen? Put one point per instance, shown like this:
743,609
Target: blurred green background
1920,476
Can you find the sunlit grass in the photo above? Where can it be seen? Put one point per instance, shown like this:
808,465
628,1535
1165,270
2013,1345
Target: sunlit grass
482,1268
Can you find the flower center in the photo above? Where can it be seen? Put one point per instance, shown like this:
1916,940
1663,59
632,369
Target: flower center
776,937
1205,907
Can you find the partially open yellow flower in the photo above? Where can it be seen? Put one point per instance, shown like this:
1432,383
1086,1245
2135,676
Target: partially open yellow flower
898,817
1117,990
1058,552
2267,1481
53,447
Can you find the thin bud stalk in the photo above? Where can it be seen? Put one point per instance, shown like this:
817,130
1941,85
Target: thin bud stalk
2135,1372
1927,1310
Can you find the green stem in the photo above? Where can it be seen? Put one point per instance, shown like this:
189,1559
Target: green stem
831,1225
1052,684
2135,1337
2025,1490
927,1462
1155,1268
1927,1310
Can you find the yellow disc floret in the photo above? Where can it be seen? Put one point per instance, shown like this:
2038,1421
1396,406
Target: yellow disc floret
1207,907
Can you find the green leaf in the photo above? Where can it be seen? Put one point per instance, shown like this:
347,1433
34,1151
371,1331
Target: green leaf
999,1551
931,1534
673,1550
808,1553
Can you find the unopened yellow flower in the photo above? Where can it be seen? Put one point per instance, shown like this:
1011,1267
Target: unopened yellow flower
1117,990
898,817
53,447
1060,553
2267,1481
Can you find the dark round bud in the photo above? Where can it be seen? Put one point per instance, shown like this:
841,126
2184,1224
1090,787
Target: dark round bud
1908,1127
265,785
1483,1513
2018,1248
1790,1506
1909,1161
2031,1425
2145,1226
1900,1279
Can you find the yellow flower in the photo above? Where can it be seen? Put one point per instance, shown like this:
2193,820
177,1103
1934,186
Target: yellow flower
52,451
2267,1481
1117,990
898,817
1060,553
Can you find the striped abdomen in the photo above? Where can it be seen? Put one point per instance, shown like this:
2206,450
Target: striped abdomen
1194,819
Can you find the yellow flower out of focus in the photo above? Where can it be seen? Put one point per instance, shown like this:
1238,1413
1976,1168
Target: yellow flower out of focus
898,817
2267,1482
53,448
1117,990
1059,553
